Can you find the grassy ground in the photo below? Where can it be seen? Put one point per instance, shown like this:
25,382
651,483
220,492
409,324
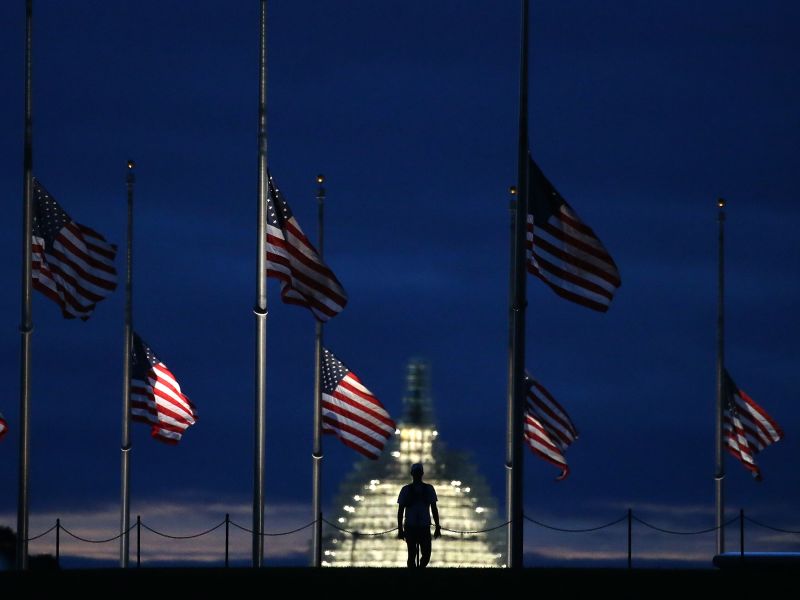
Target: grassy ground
446,584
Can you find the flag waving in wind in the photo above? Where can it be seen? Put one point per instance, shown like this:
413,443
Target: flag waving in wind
3,426
305,279
73,265
563,251
747,427
156,396
548,428
350,411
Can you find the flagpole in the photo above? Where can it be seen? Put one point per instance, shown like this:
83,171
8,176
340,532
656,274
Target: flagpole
317,452
512,206
518,303
125,446
260,308
719,476
26,322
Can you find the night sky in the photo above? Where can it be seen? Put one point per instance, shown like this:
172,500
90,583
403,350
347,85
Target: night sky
641,114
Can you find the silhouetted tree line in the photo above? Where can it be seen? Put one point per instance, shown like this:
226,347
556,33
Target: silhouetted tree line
8,553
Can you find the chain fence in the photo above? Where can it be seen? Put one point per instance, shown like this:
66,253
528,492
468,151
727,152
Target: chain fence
629,518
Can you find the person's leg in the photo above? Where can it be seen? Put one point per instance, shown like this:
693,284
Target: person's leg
411,543
425,548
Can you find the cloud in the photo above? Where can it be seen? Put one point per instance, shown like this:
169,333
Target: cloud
609,545
175,518
594,555
193,515
659,508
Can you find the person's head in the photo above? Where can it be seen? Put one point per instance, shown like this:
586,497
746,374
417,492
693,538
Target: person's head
417,471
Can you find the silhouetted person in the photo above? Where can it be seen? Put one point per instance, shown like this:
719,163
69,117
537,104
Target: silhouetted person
418,501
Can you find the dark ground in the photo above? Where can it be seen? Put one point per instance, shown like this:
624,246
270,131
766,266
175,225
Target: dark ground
379,583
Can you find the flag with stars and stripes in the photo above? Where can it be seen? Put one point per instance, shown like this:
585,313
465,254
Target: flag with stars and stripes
563,251
156,396
72,264
351,411
548,428
747,428
3,426
292,258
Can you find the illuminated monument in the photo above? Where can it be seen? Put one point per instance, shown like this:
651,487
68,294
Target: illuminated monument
368,498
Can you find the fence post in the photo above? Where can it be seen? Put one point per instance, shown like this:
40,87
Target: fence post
138,541
630,538
741,533
58,543
227,532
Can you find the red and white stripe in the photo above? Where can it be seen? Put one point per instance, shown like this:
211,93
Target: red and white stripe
305,279
565,253
357,417
160,402
3,426
747,428
548,429
77,272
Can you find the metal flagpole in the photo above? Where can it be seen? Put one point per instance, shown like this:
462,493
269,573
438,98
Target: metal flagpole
719,476
512,206
26,320
125,446
518,303
317,452
260,308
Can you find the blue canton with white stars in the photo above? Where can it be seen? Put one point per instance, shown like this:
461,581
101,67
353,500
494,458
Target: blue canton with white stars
143,359
278,211
48,216
333,371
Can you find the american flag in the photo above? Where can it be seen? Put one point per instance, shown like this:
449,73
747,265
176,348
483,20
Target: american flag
548,428
156,396
350,411
292,258
747,427
3,426
563,251
72,264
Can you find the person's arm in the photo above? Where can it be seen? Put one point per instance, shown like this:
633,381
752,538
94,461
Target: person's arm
435,512
401,535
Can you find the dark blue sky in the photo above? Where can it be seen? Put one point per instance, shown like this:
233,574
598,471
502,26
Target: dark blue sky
642,114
